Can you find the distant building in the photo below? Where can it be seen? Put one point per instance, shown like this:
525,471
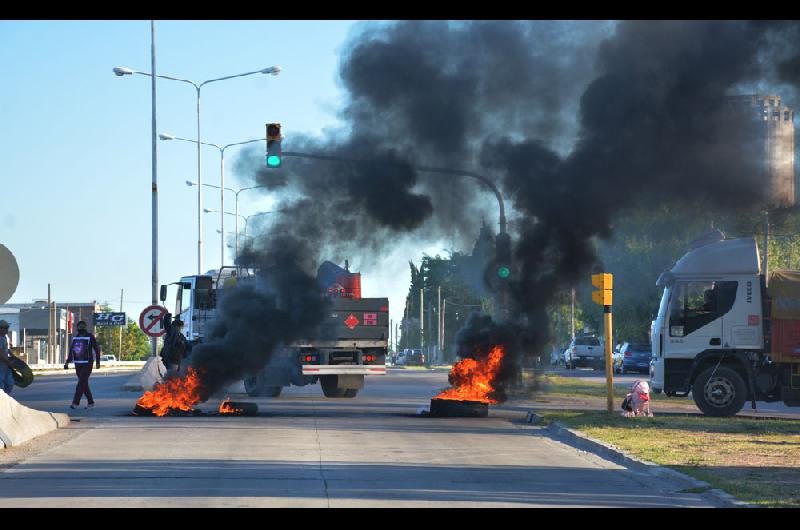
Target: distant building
775,124
30,324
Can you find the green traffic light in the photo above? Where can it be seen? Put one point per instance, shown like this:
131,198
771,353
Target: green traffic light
504,272
273,161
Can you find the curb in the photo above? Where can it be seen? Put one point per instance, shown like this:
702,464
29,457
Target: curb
609,452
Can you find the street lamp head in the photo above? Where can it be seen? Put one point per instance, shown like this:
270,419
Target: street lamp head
120,71
163,136
274,70
190,183
209,210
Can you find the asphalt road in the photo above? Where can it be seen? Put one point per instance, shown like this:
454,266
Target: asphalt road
309,451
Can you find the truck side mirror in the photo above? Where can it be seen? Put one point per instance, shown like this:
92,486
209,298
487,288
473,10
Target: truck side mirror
163,293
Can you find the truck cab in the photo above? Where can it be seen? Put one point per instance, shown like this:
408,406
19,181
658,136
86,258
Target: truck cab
711,337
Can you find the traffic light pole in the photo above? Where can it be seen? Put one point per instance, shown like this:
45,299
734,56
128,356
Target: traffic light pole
445,171
604,297
609,366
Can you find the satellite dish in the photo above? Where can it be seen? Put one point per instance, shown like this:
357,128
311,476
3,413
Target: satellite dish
9,274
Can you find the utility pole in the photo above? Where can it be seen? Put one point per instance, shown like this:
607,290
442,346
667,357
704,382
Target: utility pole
444,311
572,313
766,247
121,293
439,322
421,319
429,341
49,326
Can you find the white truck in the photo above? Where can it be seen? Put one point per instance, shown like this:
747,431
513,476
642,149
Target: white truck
723,333
358,330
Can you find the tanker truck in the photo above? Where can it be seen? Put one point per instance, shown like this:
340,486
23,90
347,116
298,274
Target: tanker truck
725,332
356,332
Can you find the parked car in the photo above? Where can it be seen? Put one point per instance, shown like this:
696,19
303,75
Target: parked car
108,358
634,357
585,351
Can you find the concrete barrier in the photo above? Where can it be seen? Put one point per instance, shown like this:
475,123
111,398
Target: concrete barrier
151,373
18,423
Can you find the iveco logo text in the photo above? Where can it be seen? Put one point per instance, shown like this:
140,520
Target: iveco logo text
749,292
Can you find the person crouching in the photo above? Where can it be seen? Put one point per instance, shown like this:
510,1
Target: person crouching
637,402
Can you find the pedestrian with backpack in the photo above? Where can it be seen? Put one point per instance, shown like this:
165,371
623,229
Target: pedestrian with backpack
176,347
83,351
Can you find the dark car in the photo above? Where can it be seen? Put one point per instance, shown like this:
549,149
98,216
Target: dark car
633,357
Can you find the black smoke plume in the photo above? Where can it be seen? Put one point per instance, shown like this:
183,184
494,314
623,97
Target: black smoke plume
574,121
256,318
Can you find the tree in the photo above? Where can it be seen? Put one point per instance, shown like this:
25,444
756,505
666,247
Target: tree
135,344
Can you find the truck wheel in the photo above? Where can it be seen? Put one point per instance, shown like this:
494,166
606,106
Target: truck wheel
255,387
251,385
719,393
351,392
329,388
272,391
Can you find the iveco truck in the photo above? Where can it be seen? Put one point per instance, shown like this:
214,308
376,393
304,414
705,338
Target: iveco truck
726,333
356,331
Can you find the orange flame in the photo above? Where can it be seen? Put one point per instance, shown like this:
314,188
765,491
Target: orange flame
173,394
226,408
474,380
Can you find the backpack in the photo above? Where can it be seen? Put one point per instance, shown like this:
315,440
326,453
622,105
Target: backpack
626,404
80,350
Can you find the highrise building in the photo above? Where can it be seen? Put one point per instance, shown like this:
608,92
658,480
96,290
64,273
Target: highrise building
775,128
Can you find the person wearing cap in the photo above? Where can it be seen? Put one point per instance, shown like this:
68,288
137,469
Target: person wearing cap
176,347
83,351
6,375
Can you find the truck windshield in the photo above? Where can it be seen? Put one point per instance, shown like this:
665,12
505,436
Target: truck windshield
698,303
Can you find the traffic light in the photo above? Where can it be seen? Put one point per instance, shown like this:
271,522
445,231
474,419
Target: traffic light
502,256
604,282
274,156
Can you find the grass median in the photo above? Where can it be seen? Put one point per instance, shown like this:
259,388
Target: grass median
755,460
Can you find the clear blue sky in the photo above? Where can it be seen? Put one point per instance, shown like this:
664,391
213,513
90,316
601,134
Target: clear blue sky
76,151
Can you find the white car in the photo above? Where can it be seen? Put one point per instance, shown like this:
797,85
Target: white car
108,358
585,351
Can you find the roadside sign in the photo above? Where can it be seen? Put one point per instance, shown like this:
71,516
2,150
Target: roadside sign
102,320
150,320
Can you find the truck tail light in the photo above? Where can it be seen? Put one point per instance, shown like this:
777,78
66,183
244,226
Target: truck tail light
308,357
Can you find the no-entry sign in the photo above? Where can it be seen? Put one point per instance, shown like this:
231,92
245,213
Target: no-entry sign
150,320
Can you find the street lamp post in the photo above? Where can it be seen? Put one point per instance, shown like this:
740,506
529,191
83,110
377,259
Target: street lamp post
246,219
274,70
221,186
236,193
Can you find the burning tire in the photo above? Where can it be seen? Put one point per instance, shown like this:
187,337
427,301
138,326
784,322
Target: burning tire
719,392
